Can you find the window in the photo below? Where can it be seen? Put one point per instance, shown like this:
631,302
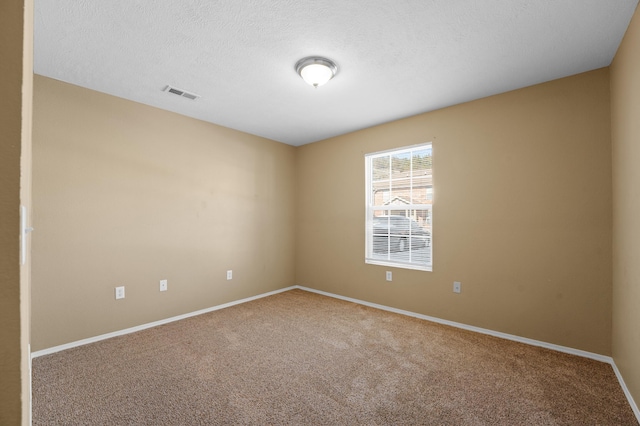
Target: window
399,207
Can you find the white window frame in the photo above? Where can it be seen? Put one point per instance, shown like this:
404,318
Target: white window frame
370,257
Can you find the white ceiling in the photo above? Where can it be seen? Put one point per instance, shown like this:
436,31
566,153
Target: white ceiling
396,58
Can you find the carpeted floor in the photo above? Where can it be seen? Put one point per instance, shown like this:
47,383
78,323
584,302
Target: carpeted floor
304,359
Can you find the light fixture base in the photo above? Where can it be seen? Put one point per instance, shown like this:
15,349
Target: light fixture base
316,70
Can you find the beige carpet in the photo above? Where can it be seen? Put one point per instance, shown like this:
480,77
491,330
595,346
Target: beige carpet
303,359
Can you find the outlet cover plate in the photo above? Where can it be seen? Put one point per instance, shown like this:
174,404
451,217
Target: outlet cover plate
229,274
163,285
389,276
457,287
120,292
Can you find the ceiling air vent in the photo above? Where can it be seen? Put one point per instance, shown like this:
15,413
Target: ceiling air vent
182,93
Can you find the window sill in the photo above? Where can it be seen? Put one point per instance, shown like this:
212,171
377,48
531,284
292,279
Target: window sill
426,268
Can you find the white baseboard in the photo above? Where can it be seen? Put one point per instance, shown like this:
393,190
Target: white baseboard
151,324
532,342
633,404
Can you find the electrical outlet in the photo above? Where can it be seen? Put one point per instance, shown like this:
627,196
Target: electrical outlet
389,276
229,274
163,285
120,292
457,287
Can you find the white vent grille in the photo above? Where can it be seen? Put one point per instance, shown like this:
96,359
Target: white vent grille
182,93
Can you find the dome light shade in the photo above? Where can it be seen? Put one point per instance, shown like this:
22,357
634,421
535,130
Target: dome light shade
316,71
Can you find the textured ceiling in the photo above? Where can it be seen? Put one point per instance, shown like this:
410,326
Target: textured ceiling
396,58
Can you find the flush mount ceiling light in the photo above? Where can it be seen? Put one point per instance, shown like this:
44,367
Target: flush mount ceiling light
316,70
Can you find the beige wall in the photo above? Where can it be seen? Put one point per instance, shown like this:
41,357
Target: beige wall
126,194
15,109
522,214
625,124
